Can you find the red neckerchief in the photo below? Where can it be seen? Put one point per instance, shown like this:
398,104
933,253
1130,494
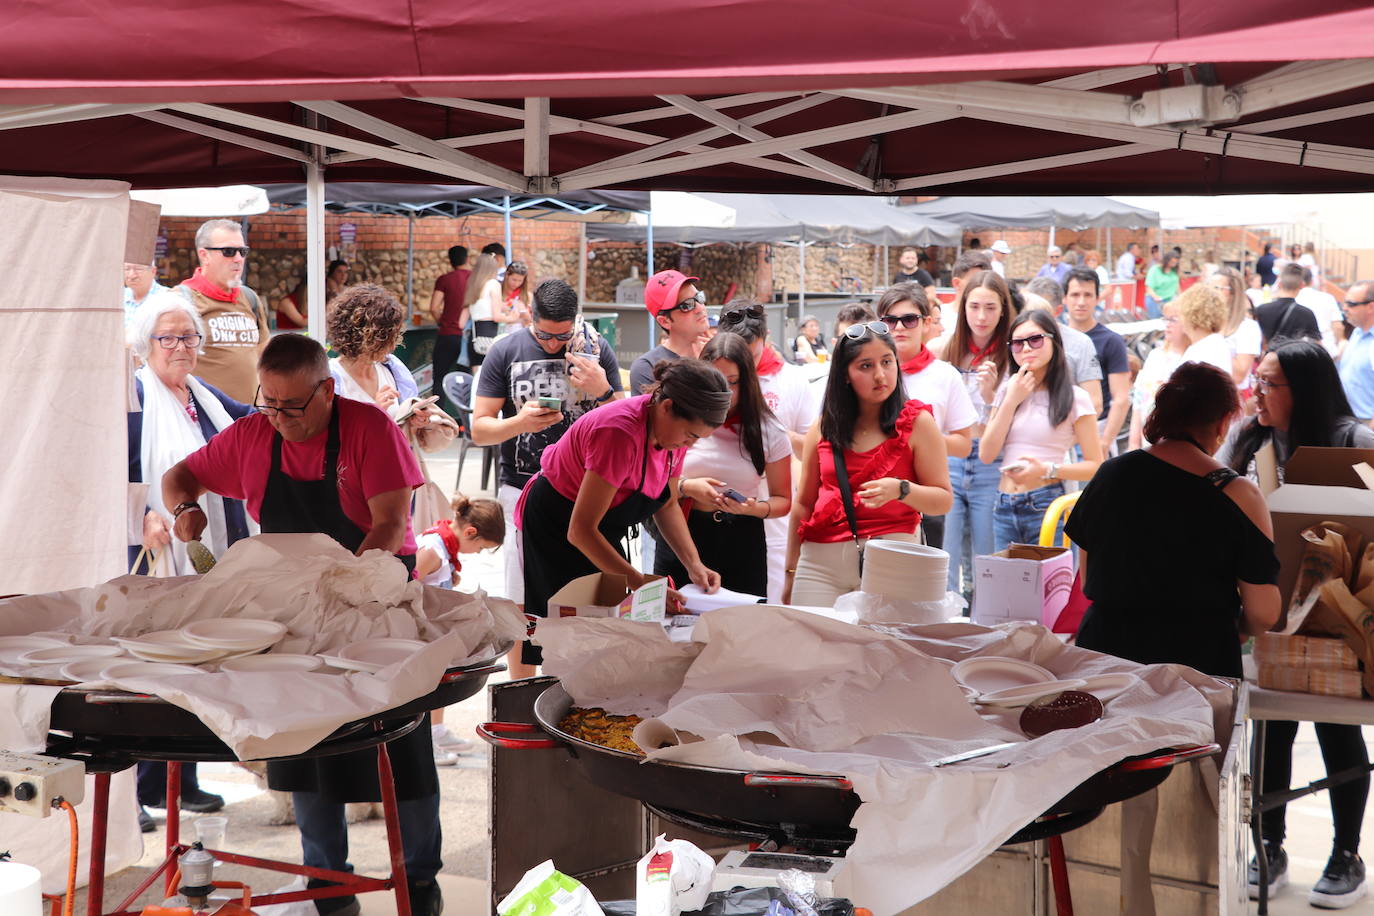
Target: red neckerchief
769,363
977,353
203,286
732,421
450,538
918,362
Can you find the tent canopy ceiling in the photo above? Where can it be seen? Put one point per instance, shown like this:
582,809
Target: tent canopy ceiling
1036,212
834,218
1005,97
453,199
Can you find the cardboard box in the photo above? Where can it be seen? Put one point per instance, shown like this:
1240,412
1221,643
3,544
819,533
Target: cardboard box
1320,485
603,595
1283,677
1333,683
1023,582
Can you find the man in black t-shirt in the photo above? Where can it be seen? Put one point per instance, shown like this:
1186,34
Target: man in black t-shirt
1082,295
1284,318
521,368
679,309
911,271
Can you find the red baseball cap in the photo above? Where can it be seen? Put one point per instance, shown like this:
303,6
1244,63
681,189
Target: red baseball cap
661,292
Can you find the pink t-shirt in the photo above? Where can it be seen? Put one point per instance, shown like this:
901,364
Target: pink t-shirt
611,441
1031,435
373,458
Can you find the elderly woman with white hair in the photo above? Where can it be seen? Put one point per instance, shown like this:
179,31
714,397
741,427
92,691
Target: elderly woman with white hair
180,414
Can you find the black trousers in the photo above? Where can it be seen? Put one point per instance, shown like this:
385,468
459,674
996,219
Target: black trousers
1342,748
152,782
447,349
933,527
732,545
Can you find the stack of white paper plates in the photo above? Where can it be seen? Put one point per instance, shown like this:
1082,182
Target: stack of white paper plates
145,669
61,655
234,634
168,646
900,569
274,661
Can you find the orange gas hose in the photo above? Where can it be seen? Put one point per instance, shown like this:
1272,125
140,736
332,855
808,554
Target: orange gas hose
69,905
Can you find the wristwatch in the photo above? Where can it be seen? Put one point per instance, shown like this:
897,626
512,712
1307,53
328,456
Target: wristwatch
610,393
903,488
1051,472
185,507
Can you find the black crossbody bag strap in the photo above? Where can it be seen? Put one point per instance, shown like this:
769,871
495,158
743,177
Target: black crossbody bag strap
847,497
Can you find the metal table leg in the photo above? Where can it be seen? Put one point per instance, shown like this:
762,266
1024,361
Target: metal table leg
393,831
1256,810
173,819
100,822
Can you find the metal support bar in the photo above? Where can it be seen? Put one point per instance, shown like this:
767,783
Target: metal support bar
536,137
314,251
219,133
13,117
505,212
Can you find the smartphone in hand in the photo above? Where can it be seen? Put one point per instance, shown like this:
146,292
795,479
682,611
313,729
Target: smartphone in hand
736,495
551,403
1013,467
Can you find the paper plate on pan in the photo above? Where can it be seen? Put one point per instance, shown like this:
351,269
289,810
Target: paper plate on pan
989,673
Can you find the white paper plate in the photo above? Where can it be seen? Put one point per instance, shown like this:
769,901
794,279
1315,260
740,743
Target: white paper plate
61,655
1108,686
344,664
145,669
378,653
988,673
11,647
234,633
1013,697
281,661
168,646
89,669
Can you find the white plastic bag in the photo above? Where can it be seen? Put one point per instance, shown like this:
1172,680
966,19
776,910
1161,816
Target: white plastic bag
673,876
545,891
874,608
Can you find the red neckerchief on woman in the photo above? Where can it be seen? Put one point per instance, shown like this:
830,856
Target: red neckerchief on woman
979,353
769,363
918,362
203,286
450,538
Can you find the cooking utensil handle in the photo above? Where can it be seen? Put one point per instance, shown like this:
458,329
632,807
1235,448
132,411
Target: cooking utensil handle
788,780
1179,755
494,733
458,674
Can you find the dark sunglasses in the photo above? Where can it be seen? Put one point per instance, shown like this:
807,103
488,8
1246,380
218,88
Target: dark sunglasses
517,267
737,315
908,321
690,305
1352,305
1034,341
545,335
860,331
230,251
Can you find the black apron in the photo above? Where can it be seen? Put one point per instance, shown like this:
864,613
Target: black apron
292,506
550,561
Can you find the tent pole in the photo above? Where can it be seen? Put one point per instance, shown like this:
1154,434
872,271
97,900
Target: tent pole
410,263
581,262
314,249
1107,261
801,276
1051,244
649,256
505,213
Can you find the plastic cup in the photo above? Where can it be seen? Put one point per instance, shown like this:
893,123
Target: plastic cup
210,831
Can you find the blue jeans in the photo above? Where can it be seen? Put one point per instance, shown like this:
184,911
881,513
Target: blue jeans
968,524
1016,517
1153,307
324,833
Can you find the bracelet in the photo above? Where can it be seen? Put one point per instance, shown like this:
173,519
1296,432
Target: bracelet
680,482
767,509
610,393
185,507
792,571
1051,472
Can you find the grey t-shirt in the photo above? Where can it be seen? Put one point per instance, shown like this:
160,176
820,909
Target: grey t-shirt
517,369
642,369
1082,356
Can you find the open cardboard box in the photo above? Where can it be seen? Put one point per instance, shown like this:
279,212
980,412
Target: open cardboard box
1320,485
606,595
1023,582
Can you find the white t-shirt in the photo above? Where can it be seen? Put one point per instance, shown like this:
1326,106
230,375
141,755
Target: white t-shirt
443,576
1257,297
942,387
1248,339
1031,435
1211,349
1310,262
722,455
1327,310
1125,267
788,395
347,386
1000,267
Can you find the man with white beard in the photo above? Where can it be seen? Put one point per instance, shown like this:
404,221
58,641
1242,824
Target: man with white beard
236,326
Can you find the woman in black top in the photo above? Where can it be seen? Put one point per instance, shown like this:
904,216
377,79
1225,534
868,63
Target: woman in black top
1300,402
1177,552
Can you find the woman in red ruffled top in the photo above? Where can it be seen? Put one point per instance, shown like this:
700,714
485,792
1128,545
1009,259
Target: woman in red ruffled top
895,460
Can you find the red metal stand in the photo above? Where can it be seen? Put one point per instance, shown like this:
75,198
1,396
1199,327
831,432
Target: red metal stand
346,883
1059,872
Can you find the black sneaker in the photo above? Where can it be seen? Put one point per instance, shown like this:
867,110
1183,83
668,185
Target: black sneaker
145,820
1278,870
1341,884
425,898
201,802
334,906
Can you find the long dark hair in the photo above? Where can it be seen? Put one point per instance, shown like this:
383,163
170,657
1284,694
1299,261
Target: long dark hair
1057,381
697,390
751,408
1320,407
963,334
840,409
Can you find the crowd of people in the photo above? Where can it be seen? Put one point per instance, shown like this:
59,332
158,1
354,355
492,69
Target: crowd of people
954,423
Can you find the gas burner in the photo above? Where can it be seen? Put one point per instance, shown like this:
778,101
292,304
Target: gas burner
767,837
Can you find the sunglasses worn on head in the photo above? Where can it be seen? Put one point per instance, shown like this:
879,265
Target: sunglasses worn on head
908,321
517,267
545,335
737,315
1034,341
230,251
860,331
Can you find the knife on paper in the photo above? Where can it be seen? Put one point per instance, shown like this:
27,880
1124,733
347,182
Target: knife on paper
970,755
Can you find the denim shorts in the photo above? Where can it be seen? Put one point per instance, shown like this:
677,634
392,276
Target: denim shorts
1017,517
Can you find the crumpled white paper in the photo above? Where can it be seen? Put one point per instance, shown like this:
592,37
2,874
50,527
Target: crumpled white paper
877,608
326,597
783,690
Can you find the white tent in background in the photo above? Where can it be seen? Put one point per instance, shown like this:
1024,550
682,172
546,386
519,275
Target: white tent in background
232,200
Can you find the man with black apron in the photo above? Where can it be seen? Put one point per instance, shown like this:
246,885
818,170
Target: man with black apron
311,462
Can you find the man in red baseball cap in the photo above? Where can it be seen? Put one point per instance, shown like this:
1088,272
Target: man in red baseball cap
679,308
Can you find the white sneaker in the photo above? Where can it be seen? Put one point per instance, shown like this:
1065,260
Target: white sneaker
444,758
447,740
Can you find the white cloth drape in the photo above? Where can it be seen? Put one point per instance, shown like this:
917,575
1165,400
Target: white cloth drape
169,435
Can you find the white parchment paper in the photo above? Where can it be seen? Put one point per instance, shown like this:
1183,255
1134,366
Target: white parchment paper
781,689
326,597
